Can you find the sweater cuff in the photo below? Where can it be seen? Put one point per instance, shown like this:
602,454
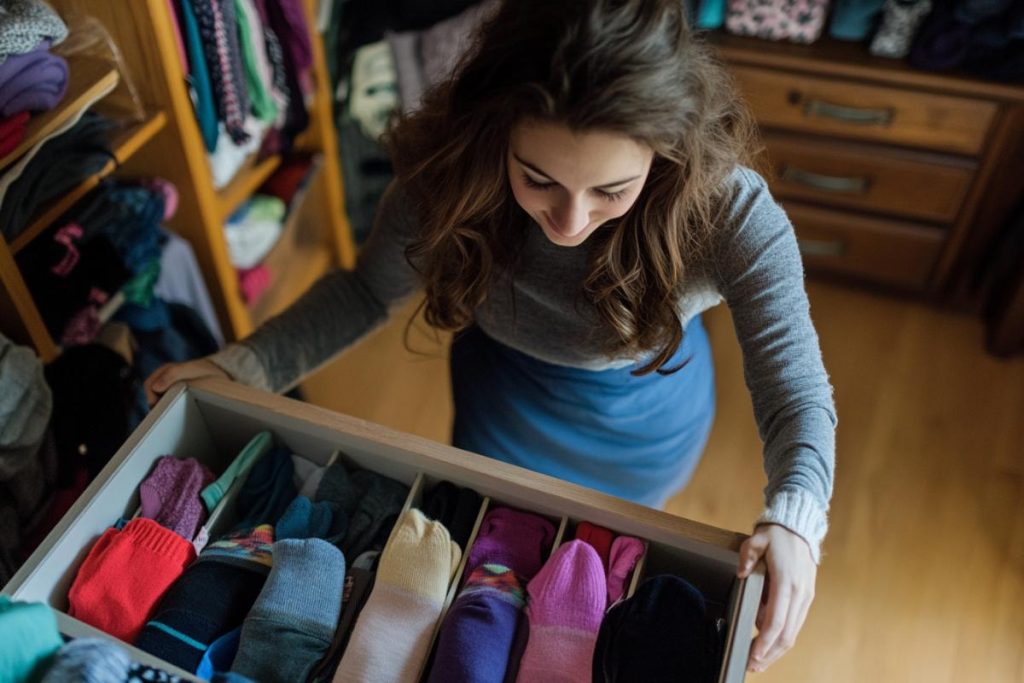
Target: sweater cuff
242,365
800,512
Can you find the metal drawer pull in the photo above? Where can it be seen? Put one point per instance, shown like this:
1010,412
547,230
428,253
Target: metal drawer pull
821,247
826,183
858,115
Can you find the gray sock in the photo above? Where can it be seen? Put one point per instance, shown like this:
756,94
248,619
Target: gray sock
292,622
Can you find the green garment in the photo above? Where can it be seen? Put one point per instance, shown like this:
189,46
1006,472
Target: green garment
252,452
261,102
28,631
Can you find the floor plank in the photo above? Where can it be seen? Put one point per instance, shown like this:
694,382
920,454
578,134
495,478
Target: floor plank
923,570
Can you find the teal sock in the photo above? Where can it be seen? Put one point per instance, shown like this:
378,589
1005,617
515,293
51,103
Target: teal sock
28,631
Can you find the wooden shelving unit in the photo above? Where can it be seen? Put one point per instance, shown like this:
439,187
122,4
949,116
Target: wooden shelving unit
125,145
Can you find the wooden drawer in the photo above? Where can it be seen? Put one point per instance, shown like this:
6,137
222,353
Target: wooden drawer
212,420
916,185
865,112
882,251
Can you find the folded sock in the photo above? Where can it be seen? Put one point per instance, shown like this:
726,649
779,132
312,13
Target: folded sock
512,538
479,629
567,600
598,537
391,639
124,576
626,552
659,634
244,547
29,633
371,504
267,491
307,476
89,660
296,613
210,599
455,507
253,450
220,655
305,519
170,495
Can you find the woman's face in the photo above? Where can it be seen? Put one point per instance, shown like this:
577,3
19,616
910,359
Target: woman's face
571,183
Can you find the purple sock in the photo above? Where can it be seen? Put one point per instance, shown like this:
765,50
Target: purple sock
514,539
477,634
170,495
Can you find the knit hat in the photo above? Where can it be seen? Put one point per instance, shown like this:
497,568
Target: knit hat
28,631
512,538
371,503
660,634
170,495
306,519
598,537
479,629
124,576
89,660
267,491
626,552
392,636
296,613
566,605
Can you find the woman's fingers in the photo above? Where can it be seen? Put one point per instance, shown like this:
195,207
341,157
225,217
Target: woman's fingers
164,377
751,551
776,611
795,615
156,383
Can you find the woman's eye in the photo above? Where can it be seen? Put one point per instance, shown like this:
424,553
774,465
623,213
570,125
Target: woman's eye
613,196
530,182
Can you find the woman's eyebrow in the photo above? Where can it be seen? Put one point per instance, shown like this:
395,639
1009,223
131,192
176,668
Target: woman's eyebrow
538,171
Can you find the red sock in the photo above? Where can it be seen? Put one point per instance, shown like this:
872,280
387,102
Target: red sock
598,537
125,574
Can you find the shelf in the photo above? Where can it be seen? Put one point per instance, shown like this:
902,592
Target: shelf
123,147
88,80
245,182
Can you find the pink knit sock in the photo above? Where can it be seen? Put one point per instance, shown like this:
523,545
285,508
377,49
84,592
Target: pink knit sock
626,552
566,604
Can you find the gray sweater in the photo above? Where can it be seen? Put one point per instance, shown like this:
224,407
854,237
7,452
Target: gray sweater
754,266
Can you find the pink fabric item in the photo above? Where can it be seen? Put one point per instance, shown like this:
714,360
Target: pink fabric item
84,325
799,21
566,605
515,539
253,282
67,236
170,495
169,192
626,552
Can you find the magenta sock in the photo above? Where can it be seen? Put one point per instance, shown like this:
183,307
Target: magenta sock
626,552
515,539
567,599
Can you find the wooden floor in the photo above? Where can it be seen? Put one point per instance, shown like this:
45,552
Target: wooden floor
923,570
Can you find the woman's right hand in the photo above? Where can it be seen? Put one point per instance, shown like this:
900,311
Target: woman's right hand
164,377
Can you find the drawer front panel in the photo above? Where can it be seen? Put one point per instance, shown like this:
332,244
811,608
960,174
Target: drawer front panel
919,186
886,252
866,112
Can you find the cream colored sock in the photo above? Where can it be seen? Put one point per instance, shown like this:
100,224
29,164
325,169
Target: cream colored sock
392,635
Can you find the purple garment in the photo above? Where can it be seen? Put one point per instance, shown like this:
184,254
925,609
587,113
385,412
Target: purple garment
170,495
515,539
34,81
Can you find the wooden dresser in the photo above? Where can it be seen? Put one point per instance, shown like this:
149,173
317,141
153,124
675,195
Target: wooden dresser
892,176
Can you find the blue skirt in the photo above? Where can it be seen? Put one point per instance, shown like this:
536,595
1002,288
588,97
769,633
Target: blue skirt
638,438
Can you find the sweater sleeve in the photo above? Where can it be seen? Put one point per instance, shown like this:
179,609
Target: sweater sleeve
338,310
761,276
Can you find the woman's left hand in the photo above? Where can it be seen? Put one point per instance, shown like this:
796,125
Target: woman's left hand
790,587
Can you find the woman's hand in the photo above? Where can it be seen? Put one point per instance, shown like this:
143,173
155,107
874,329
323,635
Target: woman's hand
167,375
790,589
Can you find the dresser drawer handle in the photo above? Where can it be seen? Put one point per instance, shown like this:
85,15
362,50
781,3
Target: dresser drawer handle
821,247
826,183
856,115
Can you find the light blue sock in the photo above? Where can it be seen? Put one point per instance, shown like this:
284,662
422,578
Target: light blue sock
89,660
28,632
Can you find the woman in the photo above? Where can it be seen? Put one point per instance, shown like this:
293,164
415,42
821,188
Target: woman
570,202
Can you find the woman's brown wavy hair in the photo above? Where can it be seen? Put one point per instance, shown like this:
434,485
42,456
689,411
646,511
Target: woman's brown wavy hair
627,66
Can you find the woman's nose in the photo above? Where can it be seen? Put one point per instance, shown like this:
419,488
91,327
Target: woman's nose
570,218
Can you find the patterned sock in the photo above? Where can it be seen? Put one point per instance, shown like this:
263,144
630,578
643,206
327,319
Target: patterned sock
296,613
567,602
124,576
392,637
515,539
89,660
477,634
900,21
